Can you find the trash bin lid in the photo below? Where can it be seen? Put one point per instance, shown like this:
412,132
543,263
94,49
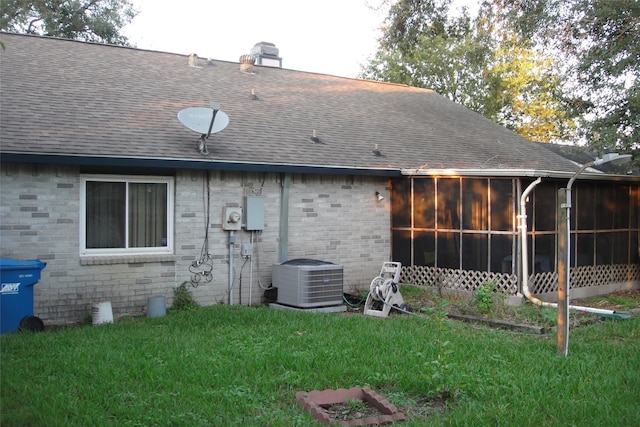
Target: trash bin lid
17,264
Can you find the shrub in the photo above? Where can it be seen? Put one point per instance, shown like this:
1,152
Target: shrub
484,296
183,299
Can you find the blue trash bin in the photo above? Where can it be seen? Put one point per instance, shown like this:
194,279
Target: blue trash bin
17,278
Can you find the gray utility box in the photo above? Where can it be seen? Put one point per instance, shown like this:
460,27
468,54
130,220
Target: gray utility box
254,213
308,283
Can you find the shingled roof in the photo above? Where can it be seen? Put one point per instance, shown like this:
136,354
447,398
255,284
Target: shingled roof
68,101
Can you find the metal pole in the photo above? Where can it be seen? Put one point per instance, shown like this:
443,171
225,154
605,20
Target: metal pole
563,251
564,258
564,272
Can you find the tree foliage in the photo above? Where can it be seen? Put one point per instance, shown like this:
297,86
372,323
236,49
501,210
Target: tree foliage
525,95
479,63
600,44
436,53
88,20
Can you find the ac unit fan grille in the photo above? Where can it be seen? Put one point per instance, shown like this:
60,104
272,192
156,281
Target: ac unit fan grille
322,286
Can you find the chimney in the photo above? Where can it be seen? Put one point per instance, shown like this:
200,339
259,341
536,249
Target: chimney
266,54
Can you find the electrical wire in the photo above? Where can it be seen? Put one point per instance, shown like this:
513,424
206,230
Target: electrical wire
257,255
202,267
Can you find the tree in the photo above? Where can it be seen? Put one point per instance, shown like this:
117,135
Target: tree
447,58
524,95
606,42
479,63
88,20
599,42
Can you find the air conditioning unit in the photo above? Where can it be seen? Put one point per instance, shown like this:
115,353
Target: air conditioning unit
307,283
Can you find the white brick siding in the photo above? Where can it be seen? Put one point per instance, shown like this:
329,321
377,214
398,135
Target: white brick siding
332,218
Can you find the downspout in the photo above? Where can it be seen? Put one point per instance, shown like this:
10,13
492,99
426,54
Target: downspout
283,241
522,219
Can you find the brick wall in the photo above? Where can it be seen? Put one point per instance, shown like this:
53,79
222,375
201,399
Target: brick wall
332,218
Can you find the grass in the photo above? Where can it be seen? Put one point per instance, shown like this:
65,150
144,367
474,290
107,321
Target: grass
232,365
619,302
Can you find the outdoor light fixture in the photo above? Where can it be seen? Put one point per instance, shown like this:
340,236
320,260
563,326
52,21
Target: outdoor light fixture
564,248
379,196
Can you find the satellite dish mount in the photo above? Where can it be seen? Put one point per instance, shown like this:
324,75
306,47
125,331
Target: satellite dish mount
202,143
203,121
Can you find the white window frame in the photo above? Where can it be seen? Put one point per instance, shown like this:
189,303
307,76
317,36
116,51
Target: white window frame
168,249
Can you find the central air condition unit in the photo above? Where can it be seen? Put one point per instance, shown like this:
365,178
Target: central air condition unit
308,283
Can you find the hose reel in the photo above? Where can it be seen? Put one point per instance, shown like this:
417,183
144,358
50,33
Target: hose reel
384,293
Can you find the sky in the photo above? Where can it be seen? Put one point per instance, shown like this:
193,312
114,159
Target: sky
322,36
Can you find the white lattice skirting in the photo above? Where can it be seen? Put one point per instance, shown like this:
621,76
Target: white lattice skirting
469,280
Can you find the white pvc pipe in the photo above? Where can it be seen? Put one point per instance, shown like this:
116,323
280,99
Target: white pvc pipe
251,271
522,226
231,242
592,310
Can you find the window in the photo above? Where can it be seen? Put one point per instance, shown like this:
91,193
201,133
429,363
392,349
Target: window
583,210
475,204
475,254
448,204
401,203
401,246
424,203
469,223
544,205
452,222
501,204
126,215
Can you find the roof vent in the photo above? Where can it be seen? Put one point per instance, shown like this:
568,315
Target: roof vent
246,63
266,54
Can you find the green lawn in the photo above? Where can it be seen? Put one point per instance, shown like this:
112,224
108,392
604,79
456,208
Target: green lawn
233,365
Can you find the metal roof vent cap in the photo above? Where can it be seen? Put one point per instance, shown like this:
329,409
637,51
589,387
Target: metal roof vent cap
246,63
266,54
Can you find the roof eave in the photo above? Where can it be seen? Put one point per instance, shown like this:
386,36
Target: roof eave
168,163
532,173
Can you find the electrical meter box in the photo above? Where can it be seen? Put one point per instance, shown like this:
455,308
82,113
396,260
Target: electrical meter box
231,218
254,213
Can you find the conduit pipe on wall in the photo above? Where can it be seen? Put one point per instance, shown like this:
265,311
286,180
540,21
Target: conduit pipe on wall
250,271
232,240
522,226
283,234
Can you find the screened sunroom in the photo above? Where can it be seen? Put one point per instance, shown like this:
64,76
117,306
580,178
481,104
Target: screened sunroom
459,232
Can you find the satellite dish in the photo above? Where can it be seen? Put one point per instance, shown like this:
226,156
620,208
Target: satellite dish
205,121
198,119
